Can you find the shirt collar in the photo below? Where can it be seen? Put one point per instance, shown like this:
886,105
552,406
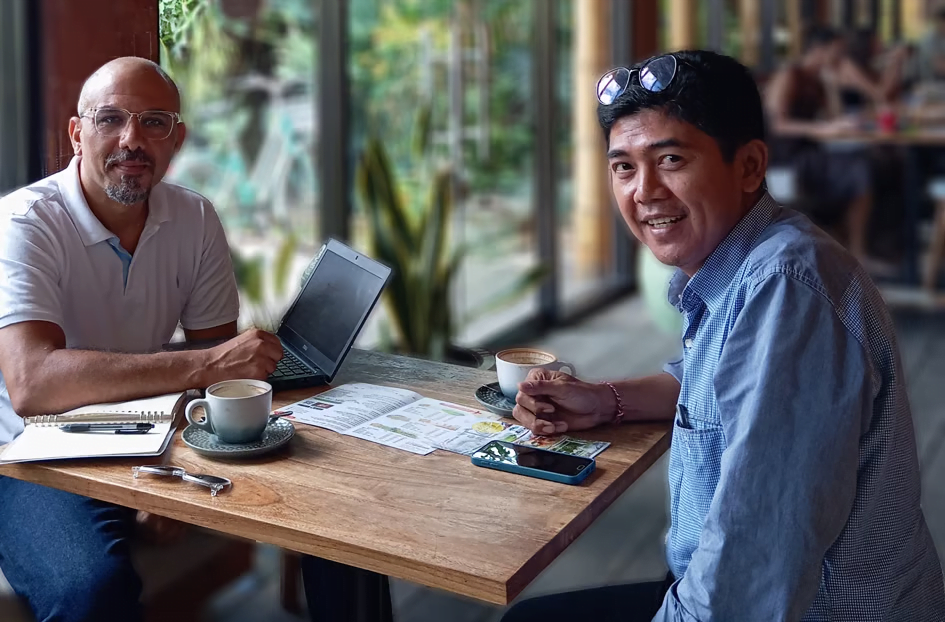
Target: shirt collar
90,228
712,280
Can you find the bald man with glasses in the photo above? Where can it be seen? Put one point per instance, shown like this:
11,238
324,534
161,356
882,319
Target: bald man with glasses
99,264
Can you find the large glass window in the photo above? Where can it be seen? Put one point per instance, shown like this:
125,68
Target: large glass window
14,92
247,70
444,85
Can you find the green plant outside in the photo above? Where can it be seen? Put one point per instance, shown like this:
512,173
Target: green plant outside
415,243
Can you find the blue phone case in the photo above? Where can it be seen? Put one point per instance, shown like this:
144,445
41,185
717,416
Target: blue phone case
520,470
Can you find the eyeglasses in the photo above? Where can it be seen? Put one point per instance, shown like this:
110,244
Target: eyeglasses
155,124
655,76
214,483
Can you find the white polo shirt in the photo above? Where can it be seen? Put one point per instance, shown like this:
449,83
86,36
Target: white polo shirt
58,263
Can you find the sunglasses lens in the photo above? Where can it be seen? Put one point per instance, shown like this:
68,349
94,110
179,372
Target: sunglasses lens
612,85
657,74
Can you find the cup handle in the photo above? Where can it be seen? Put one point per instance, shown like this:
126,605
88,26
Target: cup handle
188,412
570,367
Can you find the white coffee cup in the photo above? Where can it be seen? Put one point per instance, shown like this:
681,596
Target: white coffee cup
514,364
237,411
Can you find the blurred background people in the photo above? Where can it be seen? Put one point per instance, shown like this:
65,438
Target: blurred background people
804,101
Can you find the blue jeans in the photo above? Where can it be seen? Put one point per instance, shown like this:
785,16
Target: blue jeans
68,556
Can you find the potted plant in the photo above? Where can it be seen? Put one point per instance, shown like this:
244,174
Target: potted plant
413,238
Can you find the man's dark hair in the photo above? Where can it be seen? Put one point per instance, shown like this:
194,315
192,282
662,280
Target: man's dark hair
940,14
715,93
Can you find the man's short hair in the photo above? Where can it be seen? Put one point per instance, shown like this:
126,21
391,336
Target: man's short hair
715,93
940,14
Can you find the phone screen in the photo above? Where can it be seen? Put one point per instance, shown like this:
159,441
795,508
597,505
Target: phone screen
541,459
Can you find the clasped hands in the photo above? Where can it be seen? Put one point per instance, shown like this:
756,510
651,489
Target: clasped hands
553,402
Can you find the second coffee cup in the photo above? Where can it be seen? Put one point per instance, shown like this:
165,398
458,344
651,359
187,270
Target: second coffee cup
237,411
514,364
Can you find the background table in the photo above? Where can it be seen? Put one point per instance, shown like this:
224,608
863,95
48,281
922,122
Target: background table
436,520
910,142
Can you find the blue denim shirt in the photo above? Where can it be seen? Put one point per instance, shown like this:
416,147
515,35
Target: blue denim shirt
794,477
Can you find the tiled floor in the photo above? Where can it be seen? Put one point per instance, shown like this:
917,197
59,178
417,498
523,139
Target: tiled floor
625,544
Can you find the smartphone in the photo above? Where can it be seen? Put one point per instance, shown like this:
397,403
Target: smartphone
533,462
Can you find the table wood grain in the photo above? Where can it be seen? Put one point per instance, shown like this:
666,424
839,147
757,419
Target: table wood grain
436,520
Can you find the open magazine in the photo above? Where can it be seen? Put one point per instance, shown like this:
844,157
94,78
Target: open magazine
406,420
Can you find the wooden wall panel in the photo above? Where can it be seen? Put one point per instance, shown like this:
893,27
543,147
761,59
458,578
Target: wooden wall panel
78,37
646,29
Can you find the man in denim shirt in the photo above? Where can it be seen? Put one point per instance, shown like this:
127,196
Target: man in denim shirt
794,479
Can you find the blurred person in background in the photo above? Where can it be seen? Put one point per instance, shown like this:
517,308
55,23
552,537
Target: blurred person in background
804,105
887,69
793,474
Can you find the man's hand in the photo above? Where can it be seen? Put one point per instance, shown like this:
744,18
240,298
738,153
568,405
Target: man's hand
254,354
553,402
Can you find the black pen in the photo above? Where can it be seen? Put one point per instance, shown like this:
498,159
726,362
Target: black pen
117,428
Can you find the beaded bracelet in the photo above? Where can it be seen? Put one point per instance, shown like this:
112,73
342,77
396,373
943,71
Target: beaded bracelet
620,411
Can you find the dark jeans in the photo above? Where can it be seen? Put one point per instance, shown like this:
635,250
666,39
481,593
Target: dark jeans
637,602
68,556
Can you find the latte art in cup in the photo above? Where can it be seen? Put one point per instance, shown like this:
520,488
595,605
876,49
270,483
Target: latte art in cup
522,356
237,390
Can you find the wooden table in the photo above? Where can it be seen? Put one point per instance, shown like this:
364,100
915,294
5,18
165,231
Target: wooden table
436,520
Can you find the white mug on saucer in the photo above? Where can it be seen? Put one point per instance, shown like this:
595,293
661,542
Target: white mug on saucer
514,364
237,411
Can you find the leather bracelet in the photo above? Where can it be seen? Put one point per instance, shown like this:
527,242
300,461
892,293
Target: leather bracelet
620,410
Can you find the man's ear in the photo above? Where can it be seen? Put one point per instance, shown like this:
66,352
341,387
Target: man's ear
75,135
181,136
752,161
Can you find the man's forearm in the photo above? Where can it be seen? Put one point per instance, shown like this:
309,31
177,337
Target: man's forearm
70,378
652,398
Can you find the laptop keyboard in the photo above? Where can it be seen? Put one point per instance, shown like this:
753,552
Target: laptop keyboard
290,367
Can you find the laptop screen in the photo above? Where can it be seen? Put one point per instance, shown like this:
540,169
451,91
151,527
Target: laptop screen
333,304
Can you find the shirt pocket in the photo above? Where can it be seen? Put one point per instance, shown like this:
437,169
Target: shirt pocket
700,449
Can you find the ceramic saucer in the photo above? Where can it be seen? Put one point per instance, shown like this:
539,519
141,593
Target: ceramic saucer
276,434
490,396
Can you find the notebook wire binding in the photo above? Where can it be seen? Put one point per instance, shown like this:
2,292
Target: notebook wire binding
102,417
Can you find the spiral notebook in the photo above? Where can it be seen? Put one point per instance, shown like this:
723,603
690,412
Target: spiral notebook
42,438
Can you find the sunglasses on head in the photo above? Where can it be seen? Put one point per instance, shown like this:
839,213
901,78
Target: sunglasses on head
654,76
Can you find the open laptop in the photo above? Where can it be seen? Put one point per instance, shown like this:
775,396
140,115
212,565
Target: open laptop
320,327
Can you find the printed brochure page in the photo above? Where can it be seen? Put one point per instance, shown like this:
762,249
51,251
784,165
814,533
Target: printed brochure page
406,420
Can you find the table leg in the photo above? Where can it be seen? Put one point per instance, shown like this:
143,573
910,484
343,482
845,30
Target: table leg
340,593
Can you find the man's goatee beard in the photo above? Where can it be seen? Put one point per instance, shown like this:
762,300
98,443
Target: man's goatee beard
128,192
